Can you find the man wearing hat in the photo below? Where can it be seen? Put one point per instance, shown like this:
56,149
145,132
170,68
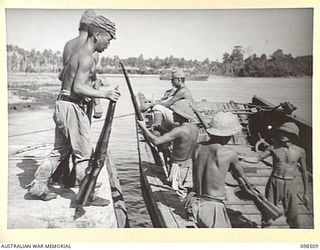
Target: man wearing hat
70,48
181,92
211,162
287,157
72,133
184,138
74,45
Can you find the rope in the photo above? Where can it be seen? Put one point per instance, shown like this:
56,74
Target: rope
45,130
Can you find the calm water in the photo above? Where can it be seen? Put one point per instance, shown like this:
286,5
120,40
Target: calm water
123,142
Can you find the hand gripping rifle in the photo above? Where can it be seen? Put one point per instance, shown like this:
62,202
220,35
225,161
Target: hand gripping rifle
268,210
97,161
139,116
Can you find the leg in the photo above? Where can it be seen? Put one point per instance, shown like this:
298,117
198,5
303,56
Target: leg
290,204
61,151
80,141
167,122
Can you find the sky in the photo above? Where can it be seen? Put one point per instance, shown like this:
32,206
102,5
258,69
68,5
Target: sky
191,34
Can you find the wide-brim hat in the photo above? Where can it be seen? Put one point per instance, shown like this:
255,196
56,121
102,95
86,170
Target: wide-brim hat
289,127
224,124
183,108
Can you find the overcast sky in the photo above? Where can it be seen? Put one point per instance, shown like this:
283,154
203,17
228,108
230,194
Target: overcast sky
192,34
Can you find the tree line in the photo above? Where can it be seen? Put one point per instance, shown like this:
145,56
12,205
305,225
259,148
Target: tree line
234,64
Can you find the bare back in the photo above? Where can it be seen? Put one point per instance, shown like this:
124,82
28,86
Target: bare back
183,145
71,48
72,68
211,164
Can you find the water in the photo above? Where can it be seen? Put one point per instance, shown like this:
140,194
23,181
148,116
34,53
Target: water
123,144
123,138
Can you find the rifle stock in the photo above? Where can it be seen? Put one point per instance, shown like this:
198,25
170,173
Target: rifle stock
268,210
96,163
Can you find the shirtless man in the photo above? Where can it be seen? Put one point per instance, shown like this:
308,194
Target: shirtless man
184,138
181,92
72,133
286,158
211,162
74,45
70,48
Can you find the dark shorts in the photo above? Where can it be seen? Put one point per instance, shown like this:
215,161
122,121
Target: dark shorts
285,191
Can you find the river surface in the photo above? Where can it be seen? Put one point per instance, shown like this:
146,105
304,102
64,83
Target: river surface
123,144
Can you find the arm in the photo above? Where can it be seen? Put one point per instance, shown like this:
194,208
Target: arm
157,140
303,169
198,170
82,76
256,159
178,96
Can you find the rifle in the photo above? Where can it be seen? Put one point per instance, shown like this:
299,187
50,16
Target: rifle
139,116
97,160
268,210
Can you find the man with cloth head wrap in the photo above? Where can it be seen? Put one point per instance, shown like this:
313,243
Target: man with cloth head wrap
72,133
70,48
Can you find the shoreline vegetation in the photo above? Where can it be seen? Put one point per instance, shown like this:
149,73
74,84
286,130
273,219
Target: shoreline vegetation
233,64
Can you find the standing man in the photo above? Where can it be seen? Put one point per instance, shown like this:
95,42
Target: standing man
211,162
184,138
72,133
74,45
70,48
180,92
287,157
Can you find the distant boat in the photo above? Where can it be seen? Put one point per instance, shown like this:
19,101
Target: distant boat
188,78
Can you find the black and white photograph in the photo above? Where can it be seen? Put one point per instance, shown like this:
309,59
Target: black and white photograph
160,118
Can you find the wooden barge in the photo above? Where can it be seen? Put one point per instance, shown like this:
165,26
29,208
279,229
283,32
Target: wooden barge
257,118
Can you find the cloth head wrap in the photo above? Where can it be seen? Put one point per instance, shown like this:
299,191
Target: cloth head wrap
87,16
104,23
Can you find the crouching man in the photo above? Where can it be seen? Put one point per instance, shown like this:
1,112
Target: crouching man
184,138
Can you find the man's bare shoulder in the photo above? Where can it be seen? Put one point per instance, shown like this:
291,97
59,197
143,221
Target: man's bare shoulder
298,149
227,152
81,57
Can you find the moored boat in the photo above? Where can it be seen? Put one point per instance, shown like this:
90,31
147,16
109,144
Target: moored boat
258,119
188,77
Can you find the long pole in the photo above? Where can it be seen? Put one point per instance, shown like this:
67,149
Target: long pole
139,115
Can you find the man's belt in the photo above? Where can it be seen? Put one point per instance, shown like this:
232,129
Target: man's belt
283,178
67,98
210,198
